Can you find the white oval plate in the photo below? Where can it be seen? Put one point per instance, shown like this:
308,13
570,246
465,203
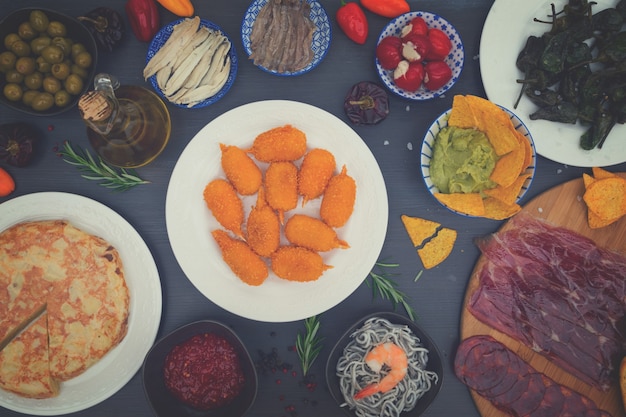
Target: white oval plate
189,222
508,25
118,366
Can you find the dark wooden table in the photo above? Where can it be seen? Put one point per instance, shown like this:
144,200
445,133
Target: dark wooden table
436,297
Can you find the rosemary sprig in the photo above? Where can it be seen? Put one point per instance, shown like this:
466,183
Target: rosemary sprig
309,345
117,180
385,287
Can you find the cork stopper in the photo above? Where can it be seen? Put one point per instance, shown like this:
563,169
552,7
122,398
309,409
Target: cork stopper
94,106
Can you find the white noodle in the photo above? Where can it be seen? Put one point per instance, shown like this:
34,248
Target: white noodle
354,374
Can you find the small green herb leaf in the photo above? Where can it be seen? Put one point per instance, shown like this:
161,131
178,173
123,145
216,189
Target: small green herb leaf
309,345
386,288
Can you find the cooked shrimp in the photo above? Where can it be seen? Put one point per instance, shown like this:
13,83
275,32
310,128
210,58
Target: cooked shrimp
316,170
222,199
295,263
240,170
242,260
284,143
281,187
312,233
390,355
263,227
338,201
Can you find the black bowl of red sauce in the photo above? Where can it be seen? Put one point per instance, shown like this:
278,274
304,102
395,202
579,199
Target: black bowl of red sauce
201,369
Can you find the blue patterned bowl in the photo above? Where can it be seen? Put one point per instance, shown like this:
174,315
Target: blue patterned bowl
159,40
455,58
321,36
441,122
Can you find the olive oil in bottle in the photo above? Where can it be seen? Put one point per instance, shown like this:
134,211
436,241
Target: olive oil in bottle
128,126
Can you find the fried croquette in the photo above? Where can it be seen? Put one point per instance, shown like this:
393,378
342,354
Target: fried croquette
222,199
242,260
338,200
312,233
263,227
281,187
283,143
295,263
316,170
245,176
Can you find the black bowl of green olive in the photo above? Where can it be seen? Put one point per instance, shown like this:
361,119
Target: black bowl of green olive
47,61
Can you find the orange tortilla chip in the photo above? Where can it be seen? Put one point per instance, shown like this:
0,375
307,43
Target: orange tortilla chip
438,248
509,166
606,197
495,123
528,150
470,203
600,173
462,115
508,195
419,230
498,210
595,222
587,179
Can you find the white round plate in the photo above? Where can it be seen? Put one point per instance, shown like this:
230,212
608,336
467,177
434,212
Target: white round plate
429,141
508,25
118,366
189,222
321,36
455,58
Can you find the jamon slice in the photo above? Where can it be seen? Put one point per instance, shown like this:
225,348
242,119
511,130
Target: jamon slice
542,396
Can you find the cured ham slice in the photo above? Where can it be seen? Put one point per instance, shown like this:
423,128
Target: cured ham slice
513,386
556,292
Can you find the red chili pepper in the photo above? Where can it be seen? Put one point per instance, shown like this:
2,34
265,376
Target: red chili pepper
351,19
144,18
438,73
389,52
7,184
415,47
387,8
440,44
409,75
417,25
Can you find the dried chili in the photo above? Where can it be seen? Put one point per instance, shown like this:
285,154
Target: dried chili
106,25
366,103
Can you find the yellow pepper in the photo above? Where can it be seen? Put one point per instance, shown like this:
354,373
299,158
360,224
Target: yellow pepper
178,7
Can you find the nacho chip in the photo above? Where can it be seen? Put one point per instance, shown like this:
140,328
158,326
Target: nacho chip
419,230
495,123
498,210
595,222
509,166
587,179
470,203
528,150
462,115
606,197
508,195
600,173
438,248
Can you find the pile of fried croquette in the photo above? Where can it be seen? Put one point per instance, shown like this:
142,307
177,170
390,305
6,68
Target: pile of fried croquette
251,245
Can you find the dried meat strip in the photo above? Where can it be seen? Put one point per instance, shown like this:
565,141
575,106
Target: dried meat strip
532,394
556,292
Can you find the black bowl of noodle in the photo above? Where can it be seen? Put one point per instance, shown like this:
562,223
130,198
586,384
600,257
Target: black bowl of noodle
384,361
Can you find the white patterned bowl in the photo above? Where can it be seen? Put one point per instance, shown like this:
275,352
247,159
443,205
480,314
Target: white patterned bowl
321,36
455,58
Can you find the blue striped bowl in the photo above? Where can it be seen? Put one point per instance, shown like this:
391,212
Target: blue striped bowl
441,122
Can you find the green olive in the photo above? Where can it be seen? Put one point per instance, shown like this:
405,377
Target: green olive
43,65
51,84
77,48
40,42
28,96
33,81
20,48
10,38
38,20
42,101
81,72
25,65
61,71
73,84
13,92
26,31
56,28
52,54
62,98
83,59
12,76
7,61
64,43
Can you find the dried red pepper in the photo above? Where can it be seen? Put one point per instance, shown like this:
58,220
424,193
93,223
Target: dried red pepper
366,103
351,19
387,8
144,18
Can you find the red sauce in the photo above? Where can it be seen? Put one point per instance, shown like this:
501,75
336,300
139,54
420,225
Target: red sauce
204,372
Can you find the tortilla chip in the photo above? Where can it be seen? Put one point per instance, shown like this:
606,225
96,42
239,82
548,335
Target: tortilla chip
595,222
600,173
438,248
498,210
509,166
587,179
462,115
470,203
495,123
419,229
528,150
606,197
508,195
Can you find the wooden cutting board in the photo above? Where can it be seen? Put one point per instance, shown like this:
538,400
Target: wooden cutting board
561,206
